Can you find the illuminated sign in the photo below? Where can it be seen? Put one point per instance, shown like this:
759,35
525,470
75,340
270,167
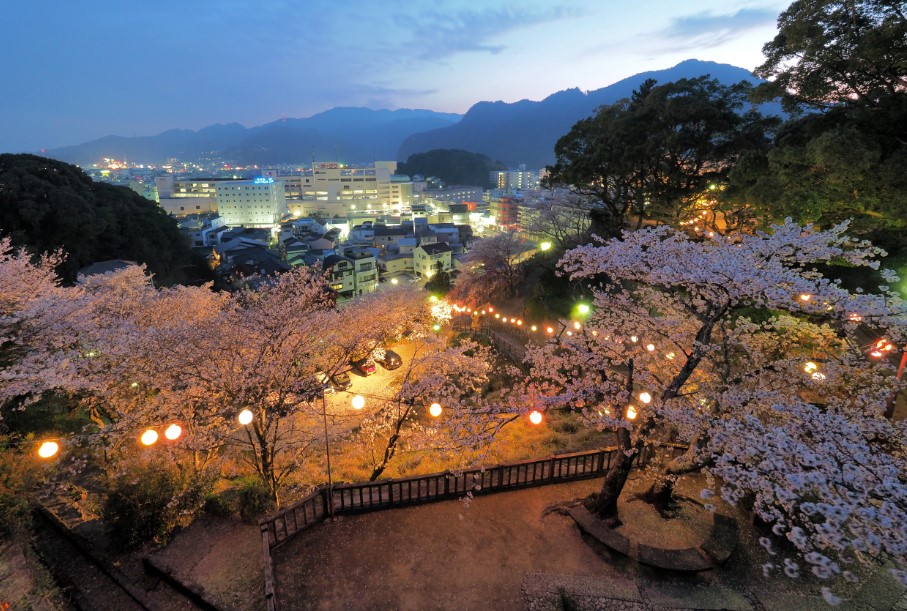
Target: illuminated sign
327,166
263,180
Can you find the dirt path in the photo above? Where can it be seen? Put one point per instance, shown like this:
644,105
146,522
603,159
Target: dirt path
446,555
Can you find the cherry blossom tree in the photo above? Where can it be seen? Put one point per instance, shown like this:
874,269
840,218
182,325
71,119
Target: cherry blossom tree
737,347
438,404
558,216
28,285
492,269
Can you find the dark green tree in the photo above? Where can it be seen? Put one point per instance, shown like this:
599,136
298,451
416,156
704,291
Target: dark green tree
453,166
846,62
46,205
833,52
659,151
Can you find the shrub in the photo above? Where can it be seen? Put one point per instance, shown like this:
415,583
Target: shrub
16,478
254,499
148,502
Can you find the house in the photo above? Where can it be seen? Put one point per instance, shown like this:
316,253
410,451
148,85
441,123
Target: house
426,258
352,274
243,262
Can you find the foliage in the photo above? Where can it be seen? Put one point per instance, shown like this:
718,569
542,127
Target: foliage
453,166
47,205
786,411
18,477
849,60
147,502
254,499
658,151
833,52
440,280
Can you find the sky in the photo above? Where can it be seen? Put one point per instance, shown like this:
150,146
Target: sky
76,71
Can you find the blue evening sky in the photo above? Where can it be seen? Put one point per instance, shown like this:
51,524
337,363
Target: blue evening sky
78,70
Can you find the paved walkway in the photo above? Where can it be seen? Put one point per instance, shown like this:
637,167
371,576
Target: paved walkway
504,552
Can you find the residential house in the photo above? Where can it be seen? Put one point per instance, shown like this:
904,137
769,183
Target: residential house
426,258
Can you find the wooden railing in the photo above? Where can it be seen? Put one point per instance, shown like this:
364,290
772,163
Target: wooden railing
386,494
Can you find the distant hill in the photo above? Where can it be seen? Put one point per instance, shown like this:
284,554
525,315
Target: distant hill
350,134
526,131
454,167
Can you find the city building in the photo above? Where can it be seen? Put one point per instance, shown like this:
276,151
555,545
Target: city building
332,188
259,202
180,197
426,258
505,210
515,180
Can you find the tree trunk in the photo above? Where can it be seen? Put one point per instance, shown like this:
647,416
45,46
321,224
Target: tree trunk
604,505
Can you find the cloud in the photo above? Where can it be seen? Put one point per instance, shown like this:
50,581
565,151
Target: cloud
704,30
444,34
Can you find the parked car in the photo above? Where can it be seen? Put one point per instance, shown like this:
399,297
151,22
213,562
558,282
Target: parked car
341,381
365,366
390,360
326,384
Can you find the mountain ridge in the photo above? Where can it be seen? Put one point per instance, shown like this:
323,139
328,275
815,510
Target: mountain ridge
497,129
518,132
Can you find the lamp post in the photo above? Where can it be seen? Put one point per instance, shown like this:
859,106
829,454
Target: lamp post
893,399
327,453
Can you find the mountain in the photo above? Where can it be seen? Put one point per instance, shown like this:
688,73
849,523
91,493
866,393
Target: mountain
352,134
526,131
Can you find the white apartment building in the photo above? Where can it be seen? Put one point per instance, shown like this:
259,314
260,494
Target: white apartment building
332,188
515,180
252,203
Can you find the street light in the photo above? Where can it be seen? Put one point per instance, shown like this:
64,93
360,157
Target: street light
435,410
535,417
545,246
48,449
245,417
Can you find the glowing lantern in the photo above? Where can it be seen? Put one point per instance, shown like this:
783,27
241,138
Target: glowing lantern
358,402
149,437
173,432
534,328
549,330
577,326
650,347
48,449
631,413
804,297
245,417
435,410
645,397
634,339
583,308
810,367
535,417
